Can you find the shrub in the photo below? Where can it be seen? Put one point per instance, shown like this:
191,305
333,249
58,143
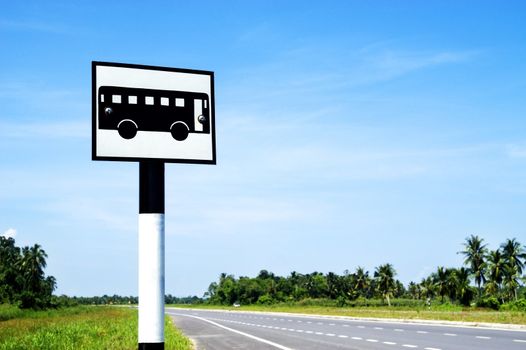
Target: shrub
519,305
489,302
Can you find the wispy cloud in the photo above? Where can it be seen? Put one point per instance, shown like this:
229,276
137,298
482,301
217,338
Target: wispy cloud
516,151
47,130
9,233
25,25
390,63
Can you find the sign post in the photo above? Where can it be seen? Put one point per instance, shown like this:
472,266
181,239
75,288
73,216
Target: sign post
152,115
151,255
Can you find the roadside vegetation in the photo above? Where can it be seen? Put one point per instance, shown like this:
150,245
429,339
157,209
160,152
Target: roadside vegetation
82,327
488,280
22,279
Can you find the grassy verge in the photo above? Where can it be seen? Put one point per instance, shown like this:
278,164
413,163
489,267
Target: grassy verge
79,328
445,313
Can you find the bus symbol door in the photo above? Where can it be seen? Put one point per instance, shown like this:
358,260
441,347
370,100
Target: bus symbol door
198,111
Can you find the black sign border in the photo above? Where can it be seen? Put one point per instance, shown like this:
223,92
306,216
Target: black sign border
94,156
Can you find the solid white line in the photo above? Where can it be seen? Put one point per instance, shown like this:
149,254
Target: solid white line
241,333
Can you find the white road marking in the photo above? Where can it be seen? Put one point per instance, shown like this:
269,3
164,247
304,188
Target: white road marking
332,324
309,332
343,336
276,345
378,328
319,333
422,332
356,338
398,330
482,337
330,335
372,340
389,343
450,334
361,327
409,346
519,340
432,349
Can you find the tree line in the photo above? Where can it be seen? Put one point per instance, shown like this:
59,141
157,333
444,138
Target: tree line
487,278
22,278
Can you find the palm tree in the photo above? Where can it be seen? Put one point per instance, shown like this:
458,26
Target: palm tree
475,253
428,287
463,291
495,272
511,281
33,264
386,283
442,281
514,257
362,281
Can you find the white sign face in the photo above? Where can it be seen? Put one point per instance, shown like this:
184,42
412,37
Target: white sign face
145,112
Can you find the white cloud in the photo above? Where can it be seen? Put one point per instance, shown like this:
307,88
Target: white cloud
47,130
9,233
516,151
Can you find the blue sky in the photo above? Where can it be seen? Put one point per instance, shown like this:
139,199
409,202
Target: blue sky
349,133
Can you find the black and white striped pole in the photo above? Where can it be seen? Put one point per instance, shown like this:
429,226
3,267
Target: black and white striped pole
151,255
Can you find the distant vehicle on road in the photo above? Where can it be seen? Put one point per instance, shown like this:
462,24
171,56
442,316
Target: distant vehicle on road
236,305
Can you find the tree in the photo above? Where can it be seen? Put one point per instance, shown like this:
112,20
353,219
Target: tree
495,272
463,291
514,256
475,253
442,282
386,283
363,281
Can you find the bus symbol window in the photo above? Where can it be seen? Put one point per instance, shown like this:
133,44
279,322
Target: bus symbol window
134,109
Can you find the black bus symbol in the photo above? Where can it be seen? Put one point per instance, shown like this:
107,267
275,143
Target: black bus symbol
129,110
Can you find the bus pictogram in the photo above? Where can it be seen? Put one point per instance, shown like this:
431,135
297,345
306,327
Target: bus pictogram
129,110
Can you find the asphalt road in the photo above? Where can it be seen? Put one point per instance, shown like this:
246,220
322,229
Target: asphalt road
227,330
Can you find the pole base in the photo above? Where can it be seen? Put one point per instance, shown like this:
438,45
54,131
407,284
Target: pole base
151,346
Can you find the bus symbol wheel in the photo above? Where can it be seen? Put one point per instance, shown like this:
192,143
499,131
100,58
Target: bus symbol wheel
179,131
127,129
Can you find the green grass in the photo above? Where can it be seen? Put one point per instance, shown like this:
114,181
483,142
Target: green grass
82,328
445,312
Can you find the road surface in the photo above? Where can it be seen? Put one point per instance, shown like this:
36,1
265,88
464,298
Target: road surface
227,330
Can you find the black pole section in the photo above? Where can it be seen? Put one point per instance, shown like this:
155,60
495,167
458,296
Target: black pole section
151,187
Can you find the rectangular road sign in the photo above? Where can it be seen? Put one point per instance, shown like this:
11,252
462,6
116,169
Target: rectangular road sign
146,112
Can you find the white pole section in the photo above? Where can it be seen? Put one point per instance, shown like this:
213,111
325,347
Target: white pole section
151,278
151,255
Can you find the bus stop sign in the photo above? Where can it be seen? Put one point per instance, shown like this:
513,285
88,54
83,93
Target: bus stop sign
152,113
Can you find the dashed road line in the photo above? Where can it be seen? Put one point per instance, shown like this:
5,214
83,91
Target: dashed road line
482,337
450,334
519,340
409,346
